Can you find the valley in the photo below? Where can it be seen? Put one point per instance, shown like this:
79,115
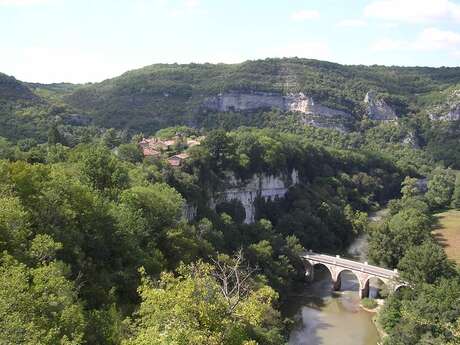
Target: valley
147,197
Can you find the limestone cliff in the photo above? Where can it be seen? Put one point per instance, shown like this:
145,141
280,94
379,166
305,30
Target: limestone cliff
267,187
312,113
378,109
189,211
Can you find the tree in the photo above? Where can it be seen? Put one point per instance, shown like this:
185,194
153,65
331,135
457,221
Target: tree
456,193
43,249
430,311
54,136
233,278
219,146
389,241
159,204
102,170
390,315
440,188
6,149
409,187
14,226
426,263
191,308
130,153
110,138
38,305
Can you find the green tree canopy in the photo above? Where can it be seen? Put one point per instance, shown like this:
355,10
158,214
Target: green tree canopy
38,305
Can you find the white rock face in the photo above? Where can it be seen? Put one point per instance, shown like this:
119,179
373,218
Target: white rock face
378,109
189,211
411,140
452,115
306,105
243,101
314,114
268,187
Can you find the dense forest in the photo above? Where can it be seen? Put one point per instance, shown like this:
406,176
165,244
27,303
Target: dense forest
95,244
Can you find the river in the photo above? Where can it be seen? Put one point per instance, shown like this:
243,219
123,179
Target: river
325,317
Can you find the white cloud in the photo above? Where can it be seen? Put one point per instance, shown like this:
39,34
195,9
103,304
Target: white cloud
352,23
305,15
435,39
22,2
413,11
430,39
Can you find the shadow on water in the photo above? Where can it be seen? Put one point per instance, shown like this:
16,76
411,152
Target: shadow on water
325,317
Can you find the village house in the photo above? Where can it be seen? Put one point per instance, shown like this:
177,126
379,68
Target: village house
154,147
168,144
178,160
192,142
150,152
144,143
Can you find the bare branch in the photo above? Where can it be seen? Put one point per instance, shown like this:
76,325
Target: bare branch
234,277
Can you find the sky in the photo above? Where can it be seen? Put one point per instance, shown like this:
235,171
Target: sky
91,40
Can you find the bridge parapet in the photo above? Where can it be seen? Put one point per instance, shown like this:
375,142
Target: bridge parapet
363,271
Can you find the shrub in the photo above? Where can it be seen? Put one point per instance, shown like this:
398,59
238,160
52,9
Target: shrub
369,303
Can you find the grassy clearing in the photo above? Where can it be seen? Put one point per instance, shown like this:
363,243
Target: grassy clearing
447,233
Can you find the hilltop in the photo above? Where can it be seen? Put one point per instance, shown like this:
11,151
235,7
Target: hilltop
417,106
195,94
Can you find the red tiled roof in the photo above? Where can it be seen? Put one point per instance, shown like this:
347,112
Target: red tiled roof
177,160
148,151
169,142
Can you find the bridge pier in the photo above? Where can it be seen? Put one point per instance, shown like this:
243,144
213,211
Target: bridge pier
336,284
364,291
309,272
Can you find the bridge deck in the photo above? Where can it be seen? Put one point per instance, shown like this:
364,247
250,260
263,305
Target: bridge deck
350,264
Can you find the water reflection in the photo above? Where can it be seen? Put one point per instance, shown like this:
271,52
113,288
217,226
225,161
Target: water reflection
330,318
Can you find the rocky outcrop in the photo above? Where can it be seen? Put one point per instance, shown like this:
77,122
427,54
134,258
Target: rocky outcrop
411,140
449,109
378,109
452,115
245,101
313,113
189,211
267,187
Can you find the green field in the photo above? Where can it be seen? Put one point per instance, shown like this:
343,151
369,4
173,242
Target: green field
447,233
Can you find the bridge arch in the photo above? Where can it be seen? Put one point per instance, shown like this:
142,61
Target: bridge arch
387,284
310,269
328,268
399,287
338,279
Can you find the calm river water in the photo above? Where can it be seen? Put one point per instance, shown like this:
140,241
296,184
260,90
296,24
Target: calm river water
325,317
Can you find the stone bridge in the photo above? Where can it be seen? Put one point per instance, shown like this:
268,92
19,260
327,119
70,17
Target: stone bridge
363,271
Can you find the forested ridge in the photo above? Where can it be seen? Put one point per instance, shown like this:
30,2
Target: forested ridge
95,246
